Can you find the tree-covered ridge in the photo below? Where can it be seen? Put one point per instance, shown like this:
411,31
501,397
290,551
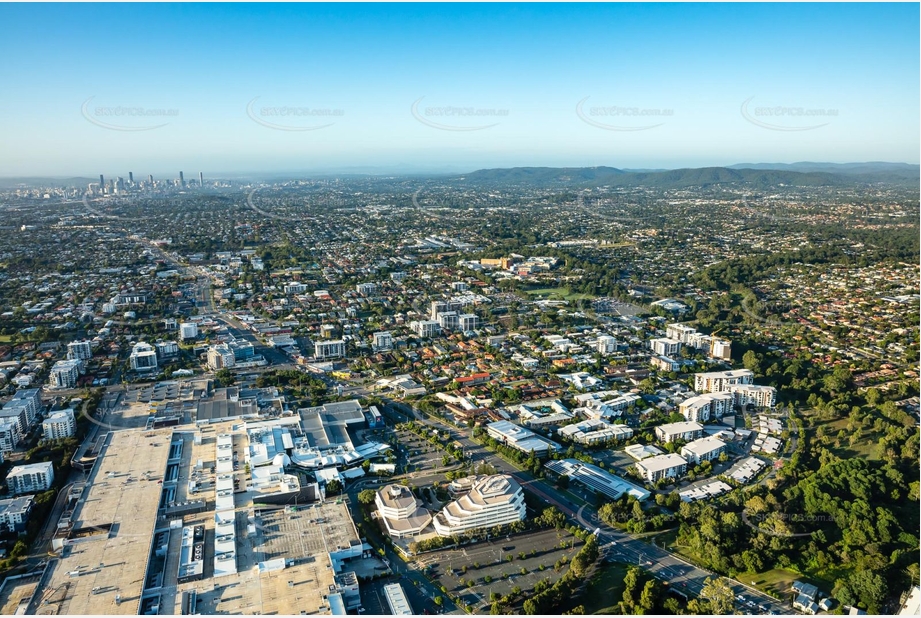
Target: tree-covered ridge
680,178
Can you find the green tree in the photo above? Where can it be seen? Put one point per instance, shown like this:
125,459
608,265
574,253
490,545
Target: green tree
751,361
333,487
718,595
866,588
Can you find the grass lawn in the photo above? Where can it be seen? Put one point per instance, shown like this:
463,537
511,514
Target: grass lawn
777,582
866,448
5,338
558,294
605,590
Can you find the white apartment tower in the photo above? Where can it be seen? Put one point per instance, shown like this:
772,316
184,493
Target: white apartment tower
143,357
334,348
79,350
220,357
188,330
59,425
606,344
64,374
366,289
30,479
720,381
425,328
468,321
665,346
383,340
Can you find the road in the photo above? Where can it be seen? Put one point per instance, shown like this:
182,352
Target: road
203,296
681,575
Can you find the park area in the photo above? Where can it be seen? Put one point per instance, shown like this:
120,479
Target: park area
558,294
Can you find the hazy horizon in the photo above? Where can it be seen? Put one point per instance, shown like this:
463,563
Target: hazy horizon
434,89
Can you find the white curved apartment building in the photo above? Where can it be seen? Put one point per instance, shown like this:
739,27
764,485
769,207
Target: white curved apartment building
491,501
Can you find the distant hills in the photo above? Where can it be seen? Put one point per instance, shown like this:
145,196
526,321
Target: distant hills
754,175
762,176
44,181
871,167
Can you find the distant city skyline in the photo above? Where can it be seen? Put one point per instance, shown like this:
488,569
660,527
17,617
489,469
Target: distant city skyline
414,89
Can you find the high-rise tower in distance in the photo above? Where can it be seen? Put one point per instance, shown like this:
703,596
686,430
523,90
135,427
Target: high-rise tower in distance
131,178
181,180
201,179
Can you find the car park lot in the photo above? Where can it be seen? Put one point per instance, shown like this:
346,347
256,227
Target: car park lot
416,453
496,573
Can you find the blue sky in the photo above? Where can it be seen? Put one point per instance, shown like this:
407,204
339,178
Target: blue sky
660,85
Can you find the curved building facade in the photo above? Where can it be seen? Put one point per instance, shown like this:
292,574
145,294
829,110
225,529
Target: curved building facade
491,501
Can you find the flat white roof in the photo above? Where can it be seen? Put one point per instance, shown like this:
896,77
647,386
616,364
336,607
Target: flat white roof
642,451
682,427
396,598
662,462
702,446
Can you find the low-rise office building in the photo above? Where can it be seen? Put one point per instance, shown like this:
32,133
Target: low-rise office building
402,513
595,479
520,438
397,601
